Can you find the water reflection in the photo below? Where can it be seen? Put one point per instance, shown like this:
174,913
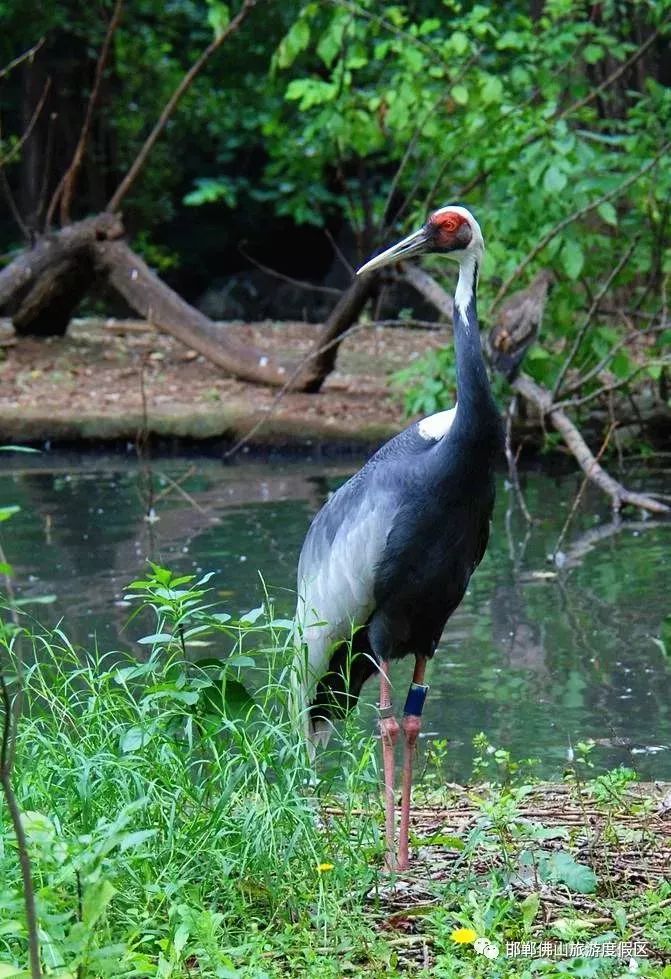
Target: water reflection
538,656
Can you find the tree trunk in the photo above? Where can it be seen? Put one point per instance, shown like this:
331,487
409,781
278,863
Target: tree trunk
161,306
52,301
346,311
53,257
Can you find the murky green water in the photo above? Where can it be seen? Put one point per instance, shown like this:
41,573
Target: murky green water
537,657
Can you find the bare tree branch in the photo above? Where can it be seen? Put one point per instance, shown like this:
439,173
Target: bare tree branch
300,283
603,363
18,146
429,289
588,319
26,56
172,103
580,493
66,186
619,495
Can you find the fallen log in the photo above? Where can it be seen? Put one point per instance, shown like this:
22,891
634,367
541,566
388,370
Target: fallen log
161,306
620,496
43,286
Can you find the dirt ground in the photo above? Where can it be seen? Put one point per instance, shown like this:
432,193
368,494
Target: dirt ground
110,379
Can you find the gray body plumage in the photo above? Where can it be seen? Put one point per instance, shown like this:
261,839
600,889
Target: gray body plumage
388,558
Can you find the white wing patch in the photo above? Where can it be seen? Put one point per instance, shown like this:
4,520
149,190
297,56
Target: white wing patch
435,427
336,585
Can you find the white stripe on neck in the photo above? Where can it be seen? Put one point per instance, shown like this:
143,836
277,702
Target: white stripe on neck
464,291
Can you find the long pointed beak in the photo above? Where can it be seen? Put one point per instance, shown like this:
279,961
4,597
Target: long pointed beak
414,244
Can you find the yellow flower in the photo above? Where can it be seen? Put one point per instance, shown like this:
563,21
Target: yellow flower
323,868
464,936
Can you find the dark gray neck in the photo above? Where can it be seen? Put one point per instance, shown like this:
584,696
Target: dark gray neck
474,396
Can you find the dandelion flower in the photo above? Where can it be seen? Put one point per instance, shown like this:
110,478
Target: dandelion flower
323,868
463,936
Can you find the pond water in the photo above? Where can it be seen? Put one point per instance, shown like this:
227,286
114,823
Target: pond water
538,657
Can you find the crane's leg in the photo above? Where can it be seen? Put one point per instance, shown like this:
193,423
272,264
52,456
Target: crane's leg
411,725
388,735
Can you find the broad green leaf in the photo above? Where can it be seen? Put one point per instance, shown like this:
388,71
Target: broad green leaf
230,698
459,42
8,511
181,938
132,840
554,180
155,638
295,41
562,868
607,213
572,258
444,839
529,908
593,53
133,739
492,90
249,618
95,900
459,94
218,17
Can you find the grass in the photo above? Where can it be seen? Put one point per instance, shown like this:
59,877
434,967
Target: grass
175,829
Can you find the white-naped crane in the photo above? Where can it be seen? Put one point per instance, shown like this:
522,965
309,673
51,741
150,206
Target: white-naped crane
388,558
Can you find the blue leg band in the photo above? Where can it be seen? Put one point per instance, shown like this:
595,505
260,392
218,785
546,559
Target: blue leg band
414,703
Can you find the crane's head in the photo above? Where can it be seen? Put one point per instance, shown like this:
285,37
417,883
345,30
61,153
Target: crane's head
451,231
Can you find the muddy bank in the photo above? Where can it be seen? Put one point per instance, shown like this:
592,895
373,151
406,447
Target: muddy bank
119,380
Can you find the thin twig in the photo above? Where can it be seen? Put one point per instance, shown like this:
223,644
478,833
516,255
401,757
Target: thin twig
623,342
11,203
300,283
607,389
432,325
579,494
283,390
511,459
339,252
31,52
18,146
172,103
12,713
576,216
66,186
588,319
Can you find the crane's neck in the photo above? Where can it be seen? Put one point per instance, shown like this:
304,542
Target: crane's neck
475,404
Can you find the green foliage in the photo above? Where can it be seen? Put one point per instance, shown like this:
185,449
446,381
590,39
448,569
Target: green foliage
428,383
163,798
173,823
520,133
